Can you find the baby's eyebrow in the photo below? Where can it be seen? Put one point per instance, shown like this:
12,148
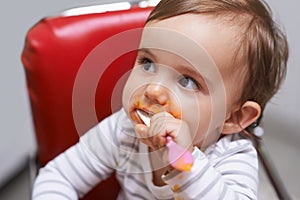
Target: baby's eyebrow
147,51
191,70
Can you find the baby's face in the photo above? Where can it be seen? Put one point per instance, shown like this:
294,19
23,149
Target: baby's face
183,67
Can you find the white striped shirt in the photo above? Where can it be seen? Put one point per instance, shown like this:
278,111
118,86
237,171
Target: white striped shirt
226,170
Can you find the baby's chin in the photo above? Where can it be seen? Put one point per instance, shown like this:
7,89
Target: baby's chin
204,143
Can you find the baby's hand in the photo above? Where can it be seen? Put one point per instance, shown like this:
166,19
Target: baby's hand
163,124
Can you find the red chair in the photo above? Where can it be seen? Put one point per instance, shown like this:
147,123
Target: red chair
56,48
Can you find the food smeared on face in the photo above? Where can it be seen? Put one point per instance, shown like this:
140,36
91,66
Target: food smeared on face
144,108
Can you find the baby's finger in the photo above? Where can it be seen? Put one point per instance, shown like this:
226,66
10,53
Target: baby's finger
158,123
141,131
161,116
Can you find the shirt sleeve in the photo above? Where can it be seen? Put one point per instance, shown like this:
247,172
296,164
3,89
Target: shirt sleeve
81,167
231,174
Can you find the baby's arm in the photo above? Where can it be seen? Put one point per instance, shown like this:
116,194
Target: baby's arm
233,174
77,170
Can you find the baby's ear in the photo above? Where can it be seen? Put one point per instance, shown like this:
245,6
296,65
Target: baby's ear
242,118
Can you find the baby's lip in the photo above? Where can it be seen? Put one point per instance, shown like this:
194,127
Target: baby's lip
144,116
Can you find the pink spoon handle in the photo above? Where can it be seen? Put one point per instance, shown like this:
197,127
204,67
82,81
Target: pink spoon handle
180,158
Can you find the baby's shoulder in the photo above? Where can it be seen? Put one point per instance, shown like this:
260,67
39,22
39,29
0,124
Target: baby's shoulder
230,145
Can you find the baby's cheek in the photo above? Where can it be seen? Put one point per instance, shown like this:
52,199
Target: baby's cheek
175,108
198,126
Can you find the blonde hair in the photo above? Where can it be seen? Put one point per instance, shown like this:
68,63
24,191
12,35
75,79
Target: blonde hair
263,46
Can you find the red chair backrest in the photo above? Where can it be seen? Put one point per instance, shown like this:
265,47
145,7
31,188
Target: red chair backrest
54,51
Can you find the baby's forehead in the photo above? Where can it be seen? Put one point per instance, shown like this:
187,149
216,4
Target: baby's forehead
191,34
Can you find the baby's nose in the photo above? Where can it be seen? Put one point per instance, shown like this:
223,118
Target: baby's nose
157,93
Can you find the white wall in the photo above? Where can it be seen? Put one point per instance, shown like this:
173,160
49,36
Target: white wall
282,118
283,107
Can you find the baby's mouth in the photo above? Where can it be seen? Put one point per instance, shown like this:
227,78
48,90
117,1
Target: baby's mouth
144,116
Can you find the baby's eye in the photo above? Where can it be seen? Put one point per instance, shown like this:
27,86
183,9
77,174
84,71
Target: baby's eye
189,83
148,65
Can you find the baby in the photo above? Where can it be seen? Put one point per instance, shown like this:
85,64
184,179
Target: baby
205,70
